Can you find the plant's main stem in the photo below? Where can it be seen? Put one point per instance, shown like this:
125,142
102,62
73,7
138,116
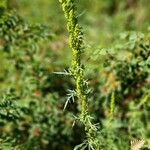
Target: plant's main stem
77,69
75,42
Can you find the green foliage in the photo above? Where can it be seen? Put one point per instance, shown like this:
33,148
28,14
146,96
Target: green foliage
3,6
77,71
42,108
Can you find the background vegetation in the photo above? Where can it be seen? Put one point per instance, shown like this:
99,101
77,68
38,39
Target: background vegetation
34,53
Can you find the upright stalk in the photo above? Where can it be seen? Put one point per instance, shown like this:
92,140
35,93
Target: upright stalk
75,42
77,69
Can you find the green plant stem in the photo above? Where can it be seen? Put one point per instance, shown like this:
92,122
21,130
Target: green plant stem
75,42
77,69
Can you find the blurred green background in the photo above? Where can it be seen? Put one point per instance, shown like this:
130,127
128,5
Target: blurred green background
34,45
